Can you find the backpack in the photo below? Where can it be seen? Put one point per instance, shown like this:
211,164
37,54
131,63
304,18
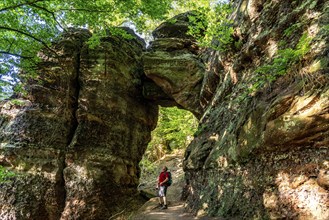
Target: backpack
169,182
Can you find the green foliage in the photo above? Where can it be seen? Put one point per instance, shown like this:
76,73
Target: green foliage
212,27
325,29
27,26
148,168
279,66
5,175
292,29
17,102
200,129
172,21
174,131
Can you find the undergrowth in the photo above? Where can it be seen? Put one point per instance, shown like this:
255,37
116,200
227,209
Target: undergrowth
5,174
279,66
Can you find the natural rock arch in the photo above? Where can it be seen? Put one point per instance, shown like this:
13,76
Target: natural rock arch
73,136
81,132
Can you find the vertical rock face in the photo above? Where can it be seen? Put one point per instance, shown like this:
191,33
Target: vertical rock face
113,129
76,142
35,134
262,148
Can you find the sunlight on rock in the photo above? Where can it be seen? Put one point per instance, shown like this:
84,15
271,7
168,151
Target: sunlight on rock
220,192
213,137
203,211
298,194
272,48
222,161
252,9
9,110
313,30
81,171
306,105
310,14
270,200
318,47
315,66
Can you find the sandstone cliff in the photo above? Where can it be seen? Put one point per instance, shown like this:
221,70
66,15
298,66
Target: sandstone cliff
76,142
261,151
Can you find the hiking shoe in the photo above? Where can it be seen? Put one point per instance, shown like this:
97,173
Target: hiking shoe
160,205
164,207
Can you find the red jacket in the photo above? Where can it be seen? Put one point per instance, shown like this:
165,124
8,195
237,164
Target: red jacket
162,177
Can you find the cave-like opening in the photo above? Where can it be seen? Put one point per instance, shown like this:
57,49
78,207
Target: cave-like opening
175,130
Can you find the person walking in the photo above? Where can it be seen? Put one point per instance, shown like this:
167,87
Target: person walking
162,187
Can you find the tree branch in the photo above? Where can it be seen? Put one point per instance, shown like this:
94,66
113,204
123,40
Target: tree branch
84,9
19,5
16,55
48,11
28,35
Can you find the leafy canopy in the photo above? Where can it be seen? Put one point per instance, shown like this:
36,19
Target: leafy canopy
174,131
29,25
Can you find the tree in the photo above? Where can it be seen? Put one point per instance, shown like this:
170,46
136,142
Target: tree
175,130
29,25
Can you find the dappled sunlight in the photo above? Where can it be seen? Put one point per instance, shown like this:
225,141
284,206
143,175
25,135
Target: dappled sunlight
202,211
213,137
172,213
73,206
222,161
311,14
9,109
253,9
307,105
313,30
296,196
272,48
319,46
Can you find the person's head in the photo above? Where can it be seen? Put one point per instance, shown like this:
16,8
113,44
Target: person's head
164,168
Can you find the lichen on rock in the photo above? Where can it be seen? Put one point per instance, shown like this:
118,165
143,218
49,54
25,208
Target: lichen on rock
263,138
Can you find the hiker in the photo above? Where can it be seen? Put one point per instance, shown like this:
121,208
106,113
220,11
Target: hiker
162,187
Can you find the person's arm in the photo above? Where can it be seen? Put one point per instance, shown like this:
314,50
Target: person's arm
158,184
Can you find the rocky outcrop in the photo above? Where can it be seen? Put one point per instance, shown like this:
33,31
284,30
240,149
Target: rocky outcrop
76,142
114,122
78,137
35,134
262,148
174,63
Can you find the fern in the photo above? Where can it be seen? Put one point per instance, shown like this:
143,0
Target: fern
5,174
279,66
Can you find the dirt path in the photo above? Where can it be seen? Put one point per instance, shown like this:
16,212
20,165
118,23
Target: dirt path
151,211
172,213
175,211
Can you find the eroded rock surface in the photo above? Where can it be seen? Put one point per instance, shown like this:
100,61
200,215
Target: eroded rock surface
174,62
262,147
76,142
261,151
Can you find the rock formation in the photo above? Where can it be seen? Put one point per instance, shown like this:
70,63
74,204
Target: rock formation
173,61
261,151
262,146
77,141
